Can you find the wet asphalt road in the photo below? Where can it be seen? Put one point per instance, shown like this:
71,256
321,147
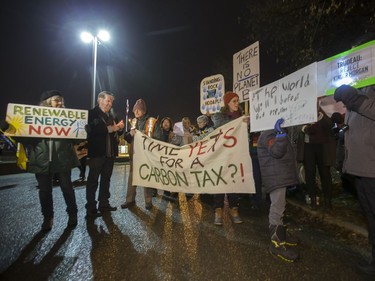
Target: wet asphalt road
170,242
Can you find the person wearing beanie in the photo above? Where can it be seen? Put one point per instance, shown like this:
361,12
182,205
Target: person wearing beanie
141,116
103,131
229,112
140,105
49,157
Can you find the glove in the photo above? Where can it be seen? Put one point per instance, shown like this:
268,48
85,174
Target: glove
349,96
279,132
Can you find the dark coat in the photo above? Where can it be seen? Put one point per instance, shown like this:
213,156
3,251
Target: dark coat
98,135
277,161
360,136
48,156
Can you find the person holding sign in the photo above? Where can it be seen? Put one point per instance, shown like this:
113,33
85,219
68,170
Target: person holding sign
359,160
102,135
141,117
49,157
229,112
319,152
278,170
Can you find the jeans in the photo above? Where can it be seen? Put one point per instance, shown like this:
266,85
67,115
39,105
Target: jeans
103,167
45,193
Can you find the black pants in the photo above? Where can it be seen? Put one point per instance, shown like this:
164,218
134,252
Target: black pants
45,193
103,167
82,168
366,196
313,158
233,200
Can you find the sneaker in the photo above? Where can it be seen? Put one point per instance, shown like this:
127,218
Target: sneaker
93,214
73,221
218,216
107,208
47,224
283,252
149,206
235,215
128,205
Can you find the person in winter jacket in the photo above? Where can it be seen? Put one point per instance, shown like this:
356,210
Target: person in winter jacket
278,170
319,152
141,117
229,112
359,158
53,156
103,131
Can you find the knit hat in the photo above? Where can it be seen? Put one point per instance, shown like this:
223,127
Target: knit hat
140,105
229,96
49,94
202,118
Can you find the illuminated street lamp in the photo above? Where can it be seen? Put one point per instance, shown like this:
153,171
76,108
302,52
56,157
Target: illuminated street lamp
87,37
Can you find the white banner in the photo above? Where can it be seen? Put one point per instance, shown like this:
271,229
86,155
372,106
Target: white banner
246,71
41,122
220,163
292,98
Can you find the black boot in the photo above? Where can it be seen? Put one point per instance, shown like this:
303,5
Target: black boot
47,224
279,247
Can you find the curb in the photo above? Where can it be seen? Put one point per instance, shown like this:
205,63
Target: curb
332,220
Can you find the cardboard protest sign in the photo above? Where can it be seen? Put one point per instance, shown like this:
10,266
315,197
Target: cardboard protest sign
212,92
246,73
45,122
220,163
293,98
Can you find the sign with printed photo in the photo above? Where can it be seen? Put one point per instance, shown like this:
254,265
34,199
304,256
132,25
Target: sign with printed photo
212,92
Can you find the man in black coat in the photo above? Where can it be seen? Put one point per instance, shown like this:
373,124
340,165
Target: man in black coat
102,135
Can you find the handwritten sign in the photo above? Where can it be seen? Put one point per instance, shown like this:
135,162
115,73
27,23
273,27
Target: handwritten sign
293,98
219,163
246,74
212,92
39,121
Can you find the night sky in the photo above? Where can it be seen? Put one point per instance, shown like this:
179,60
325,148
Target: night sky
159,51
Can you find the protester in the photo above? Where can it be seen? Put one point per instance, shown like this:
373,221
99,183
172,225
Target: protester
319,151
102,135
278,170
81,151
204,128
256,199
53,156
140,113
166,135
360,152
229,112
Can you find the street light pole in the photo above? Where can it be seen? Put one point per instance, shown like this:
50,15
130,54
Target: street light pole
87,38
94,58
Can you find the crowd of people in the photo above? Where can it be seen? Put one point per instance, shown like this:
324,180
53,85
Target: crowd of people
272,154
